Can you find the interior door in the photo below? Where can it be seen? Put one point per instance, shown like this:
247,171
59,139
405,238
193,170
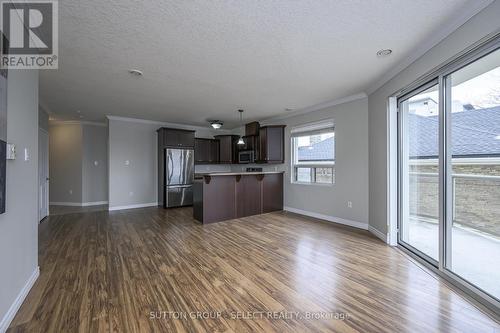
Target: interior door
43,174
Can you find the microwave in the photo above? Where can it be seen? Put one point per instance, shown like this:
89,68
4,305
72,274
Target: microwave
246,156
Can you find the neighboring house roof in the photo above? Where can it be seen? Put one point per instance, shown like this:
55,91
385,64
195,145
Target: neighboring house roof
321,151
474,134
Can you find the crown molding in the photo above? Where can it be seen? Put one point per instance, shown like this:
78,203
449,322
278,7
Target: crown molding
472,8
165,124
44,107
76,122
318,107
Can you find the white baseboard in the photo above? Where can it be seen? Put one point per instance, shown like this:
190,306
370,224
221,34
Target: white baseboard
60,203
78,204
378,234
151,204
11,313
328,218
95,203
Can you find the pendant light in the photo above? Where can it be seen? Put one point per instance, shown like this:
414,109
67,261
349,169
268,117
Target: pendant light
240,141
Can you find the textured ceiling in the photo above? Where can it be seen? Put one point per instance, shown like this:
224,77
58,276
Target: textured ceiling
205,59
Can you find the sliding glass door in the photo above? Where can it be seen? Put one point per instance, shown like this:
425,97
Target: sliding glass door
419,182
473,244
449,172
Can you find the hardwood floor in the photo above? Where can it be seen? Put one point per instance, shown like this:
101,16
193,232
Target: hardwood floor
105,272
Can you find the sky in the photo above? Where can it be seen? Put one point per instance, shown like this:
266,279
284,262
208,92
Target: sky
482,91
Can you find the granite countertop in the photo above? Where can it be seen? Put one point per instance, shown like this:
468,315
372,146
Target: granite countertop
211,174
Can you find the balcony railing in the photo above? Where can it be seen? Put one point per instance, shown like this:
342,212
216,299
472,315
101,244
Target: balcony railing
456,177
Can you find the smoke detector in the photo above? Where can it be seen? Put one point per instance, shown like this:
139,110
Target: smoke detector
384,53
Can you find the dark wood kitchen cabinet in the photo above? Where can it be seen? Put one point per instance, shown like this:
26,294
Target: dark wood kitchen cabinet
272,144
206,151
228,148
175,138
220,197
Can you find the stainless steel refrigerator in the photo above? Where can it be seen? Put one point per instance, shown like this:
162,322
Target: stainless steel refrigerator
179,177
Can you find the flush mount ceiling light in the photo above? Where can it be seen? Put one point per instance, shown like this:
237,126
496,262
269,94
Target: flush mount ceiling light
216,124
135,72
384,53
240,140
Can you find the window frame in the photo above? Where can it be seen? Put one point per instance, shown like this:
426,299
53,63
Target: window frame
308,130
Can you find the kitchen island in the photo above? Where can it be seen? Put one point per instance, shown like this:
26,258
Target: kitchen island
225,196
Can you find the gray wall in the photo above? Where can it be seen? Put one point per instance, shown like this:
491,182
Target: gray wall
95,151
74,147
65,162
19,225
43,119
136,142
476,28
351,165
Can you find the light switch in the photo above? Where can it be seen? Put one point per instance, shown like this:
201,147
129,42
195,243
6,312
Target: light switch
96,163
26,154
11,151
127,162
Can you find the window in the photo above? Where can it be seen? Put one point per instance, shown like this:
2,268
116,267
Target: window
313,154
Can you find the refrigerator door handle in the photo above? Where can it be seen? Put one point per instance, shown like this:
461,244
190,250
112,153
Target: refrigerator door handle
179,186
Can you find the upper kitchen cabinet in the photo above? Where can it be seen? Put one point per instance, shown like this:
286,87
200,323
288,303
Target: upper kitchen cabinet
228,148
206,151
175,138
272,144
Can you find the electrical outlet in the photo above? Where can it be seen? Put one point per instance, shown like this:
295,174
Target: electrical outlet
70,192
127,162
349,204
131,194
96,163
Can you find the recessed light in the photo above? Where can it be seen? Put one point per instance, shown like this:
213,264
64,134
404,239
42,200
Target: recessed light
384,53
136,72
216,124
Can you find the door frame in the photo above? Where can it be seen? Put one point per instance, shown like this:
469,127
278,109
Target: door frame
41,152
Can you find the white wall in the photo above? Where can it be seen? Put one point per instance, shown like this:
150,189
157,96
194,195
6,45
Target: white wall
351,167
479,26
135,141
19,225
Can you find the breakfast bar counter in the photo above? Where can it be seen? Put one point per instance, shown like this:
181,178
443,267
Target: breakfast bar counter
225,196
